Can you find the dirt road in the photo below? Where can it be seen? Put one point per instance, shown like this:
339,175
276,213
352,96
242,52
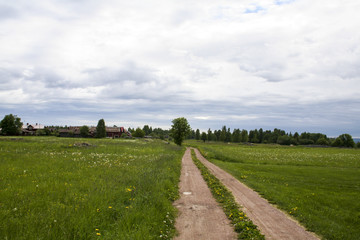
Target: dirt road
200,217
272,222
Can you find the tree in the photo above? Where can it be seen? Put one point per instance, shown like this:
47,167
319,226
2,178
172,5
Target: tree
179,130
147,129
11,125
139,133
210,135
203,136
223,134
100,129
344,140
261,135
197,134
244,136
322,141
284,140
253,136
228,136
236,136
84,131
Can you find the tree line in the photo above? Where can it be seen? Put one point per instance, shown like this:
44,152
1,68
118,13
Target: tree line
276,136
180,130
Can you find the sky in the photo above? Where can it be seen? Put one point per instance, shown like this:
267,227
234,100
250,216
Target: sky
288,64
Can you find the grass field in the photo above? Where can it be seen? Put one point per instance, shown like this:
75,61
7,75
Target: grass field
58,188
318,186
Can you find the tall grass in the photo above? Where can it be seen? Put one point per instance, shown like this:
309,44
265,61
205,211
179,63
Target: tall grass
318,186
56,188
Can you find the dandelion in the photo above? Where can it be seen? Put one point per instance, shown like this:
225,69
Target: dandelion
97,229
110,207
98,234
128,189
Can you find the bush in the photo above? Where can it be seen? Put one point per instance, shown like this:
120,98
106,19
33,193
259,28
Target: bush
139,133
284,140
306,141
322,141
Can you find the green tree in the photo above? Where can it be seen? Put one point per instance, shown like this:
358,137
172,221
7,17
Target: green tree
197,134
203,136
210,135
147,129
322,141
236,136
344,140
253,136
139,133
11,125
244,136
180,129
101,129
284,140
261,135
84,131
223,134
228,136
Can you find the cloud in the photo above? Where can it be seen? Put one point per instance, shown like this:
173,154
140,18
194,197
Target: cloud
251,63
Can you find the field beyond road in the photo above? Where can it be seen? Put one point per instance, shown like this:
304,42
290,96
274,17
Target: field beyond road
320,187
59,188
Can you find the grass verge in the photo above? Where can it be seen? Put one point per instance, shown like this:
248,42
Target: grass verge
242,224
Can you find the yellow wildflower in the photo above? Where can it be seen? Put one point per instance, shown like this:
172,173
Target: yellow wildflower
110,206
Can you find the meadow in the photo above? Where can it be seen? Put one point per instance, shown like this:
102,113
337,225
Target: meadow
63,188
320,187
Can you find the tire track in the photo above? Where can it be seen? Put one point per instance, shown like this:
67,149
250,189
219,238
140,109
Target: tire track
272,222
200,217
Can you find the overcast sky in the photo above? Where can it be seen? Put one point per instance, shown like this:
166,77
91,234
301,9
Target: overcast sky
289,64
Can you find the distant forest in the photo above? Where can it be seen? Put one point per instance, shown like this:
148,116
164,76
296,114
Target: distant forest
276,136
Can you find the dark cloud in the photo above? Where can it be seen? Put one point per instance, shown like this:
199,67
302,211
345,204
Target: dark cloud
8,75
130,72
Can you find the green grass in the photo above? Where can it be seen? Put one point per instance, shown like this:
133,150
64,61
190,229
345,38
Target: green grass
318,186
242,224
58,188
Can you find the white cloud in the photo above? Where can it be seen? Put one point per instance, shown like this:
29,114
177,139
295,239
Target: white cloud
170,57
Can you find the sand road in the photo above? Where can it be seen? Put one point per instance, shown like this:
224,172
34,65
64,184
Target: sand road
200,217
272,222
